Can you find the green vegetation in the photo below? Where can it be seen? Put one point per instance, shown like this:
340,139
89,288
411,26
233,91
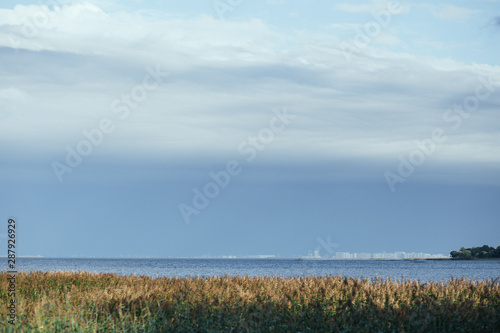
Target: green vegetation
483,252
85,302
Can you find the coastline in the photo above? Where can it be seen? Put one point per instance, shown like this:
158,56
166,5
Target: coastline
407,259
377,259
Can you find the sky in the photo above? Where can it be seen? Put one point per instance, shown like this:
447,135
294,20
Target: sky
236,127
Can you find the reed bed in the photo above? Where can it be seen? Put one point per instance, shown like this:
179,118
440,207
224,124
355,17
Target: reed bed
86,302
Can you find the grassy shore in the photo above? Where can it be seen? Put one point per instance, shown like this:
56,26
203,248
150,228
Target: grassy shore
84,302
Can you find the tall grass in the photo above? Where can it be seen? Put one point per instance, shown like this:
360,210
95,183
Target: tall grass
85,302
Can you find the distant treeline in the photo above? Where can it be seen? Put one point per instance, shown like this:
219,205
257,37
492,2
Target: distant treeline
482,252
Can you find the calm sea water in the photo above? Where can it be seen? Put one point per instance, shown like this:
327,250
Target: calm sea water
415,270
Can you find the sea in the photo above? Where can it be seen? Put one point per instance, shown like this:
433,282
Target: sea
423,270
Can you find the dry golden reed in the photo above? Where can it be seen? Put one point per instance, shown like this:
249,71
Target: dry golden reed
86,302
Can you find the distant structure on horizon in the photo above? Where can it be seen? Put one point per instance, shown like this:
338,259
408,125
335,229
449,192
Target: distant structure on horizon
379,255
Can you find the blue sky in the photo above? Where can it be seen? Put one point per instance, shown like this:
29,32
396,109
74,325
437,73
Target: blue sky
175,129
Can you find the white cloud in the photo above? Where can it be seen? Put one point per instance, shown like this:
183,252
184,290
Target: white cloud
85,29
374,6
348,7
452,13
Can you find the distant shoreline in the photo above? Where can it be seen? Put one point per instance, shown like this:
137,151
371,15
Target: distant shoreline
376,259
407,259
243,258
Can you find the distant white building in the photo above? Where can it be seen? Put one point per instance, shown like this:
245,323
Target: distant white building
342,255
400,255
378,255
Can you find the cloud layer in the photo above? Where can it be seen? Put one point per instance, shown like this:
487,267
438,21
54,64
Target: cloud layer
70,63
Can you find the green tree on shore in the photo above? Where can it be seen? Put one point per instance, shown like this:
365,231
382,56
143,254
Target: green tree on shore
482,252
